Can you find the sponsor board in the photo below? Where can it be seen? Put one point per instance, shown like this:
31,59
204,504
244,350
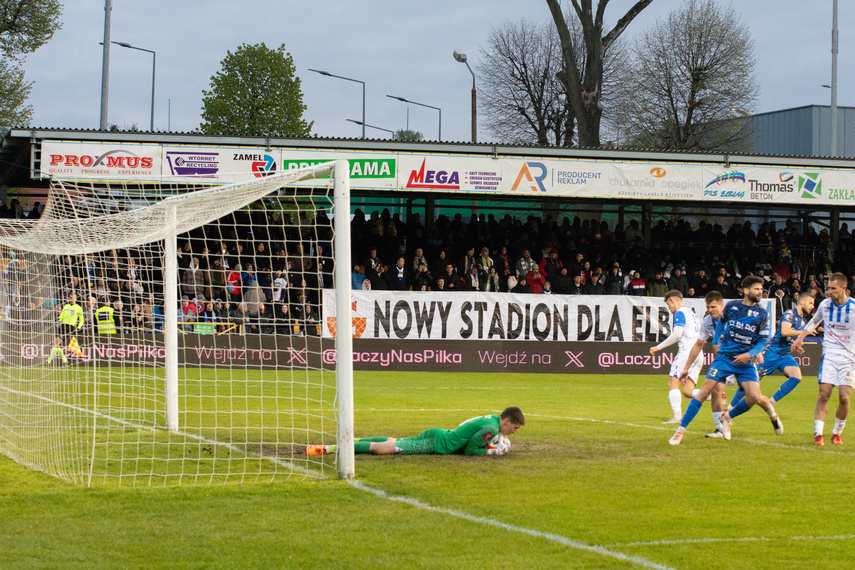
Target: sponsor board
99,161
284,352
449,174
533,176
193,163
360,168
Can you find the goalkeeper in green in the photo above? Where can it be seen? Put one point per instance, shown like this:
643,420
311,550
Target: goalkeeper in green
469,438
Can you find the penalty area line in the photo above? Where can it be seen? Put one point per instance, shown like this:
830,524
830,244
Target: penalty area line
603,551
811,448
739,539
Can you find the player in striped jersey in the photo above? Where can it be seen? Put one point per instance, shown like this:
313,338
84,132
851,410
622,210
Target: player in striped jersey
837,368
684,332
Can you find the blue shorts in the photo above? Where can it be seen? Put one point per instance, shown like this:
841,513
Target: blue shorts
722,367
774,362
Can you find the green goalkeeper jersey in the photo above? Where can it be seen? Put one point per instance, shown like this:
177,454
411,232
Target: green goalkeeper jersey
469,438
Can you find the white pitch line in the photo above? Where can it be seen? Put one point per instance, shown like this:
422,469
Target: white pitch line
740,539
603,551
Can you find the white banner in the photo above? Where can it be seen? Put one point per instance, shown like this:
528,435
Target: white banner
470,174
508,316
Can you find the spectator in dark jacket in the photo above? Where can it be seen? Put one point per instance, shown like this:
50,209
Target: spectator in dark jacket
398,276
678,282
561,283
577,288
614,281
521,287
595,285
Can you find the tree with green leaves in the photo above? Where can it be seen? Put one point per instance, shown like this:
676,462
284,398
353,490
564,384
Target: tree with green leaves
408,135
25,26
584,85
255,93
694,82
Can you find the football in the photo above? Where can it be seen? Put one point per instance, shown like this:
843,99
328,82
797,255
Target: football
500,443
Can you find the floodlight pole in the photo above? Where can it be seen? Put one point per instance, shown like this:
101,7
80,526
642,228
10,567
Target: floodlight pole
153,69
328,74
834,40
369,126
422,105
105,65
461,57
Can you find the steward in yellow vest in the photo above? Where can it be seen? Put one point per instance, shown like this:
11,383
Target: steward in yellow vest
104,320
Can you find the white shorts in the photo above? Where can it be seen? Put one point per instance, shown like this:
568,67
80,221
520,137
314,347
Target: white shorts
679,363
836,373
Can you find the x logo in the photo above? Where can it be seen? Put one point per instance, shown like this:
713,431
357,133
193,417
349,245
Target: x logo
574,359
296,355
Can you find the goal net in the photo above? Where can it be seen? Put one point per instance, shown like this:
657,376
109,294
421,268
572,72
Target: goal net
155,334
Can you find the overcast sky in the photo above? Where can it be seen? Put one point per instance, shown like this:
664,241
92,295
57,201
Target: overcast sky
397,47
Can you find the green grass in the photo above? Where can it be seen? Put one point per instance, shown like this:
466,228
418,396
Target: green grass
591,465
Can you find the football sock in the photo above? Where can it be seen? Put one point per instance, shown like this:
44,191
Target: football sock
362,447
379,438
771,411
740,408
838,426
54,351
691,411
739,395
695,394
674,398
716,416
786,388
818,427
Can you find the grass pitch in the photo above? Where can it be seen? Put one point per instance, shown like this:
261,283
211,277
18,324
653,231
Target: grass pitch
590,482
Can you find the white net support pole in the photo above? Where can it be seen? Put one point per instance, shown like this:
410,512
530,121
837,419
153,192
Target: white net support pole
170,292
344,338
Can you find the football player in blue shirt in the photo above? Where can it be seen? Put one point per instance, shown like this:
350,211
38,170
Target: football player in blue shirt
743,330
777,354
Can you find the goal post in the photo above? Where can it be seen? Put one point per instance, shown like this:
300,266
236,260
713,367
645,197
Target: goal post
343,340
201,359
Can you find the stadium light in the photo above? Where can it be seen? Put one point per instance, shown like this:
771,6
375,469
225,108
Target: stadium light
461,57
153,69
369,126
328,74
421,105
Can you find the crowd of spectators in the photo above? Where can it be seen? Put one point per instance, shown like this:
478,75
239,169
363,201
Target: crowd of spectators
588,257
260,270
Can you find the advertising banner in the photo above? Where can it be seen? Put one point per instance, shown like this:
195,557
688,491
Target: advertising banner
453,173
286,352
505,316
100,161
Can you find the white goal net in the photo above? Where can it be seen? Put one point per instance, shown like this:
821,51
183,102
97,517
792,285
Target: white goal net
155,334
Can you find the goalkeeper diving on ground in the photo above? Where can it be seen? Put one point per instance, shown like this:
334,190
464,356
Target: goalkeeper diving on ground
482,435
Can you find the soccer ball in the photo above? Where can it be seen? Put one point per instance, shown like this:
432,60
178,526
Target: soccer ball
500,443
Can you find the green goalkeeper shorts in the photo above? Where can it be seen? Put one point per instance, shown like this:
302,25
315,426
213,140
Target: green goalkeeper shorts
422,444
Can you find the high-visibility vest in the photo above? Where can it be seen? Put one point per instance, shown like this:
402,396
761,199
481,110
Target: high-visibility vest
104,320
70,315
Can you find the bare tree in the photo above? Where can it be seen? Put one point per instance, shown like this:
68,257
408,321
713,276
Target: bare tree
694,83
523,91
523,100
584,83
